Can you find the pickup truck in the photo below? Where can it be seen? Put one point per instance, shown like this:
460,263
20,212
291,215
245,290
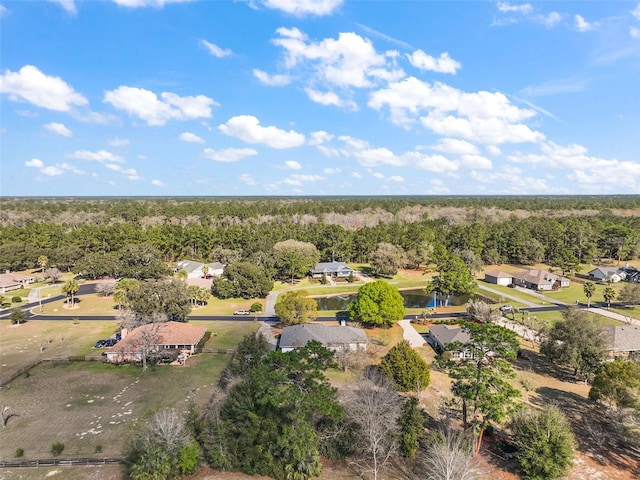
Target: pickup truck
242,312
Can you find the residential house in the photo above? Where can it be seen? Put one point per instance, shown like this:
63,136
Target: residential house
156,338
334,338
632,274
332,270
498,277
607,274
538,279
14,281
623,341
441,336
196,269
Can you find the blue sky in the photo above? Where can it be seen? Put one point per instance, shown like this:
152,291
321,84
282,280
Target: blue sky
319,97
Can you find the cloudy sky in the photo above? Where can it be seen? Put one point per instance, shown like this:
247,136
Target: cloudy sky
319,97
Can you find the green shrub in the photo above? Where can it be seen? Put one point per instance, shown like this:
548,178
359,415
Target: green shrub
19,452
189,457
408,370
16,299
57,448
256,307
98,448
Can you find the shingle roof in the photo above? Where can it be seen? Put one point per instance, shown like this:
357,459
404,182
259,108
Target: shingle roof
330,267
538,277
446,334
625,338
168,333
499,274
298,335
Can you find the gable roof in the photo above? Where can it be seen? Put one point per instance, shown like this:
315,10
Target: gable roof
331,267
539,277
624,338
168,333
298,335
192,266
446,334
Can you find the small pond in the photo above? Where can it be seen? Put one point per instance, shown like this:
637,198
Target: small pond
413,298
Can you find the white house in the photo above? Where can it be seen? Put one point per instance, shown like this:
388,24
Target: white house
332,270
196,269
14,281
498,277
607,274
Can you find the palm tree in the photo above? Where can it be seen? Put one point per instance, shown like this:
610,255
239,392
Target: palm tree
70,288
124,286
609,294
589,289
42,262
205,269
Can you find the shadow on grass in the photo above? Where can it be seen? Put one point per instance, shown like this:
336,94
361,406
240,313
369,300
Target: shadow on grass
594,432
537,363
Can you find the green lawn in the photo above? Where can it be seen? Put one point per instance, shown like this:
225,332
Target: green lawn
575,291
509,291
550,318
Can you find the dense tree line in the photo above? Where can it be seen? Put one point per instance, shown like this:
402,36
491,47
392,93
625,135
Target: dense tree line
390,232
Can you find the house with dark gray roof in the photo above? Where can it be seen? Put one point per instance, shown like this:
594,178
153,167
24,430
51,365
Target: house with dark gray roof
623,340
334,338
441,336
331,270
608,274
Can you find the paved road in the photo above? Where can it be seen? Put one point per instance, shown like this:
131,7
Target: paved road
410,334
506,295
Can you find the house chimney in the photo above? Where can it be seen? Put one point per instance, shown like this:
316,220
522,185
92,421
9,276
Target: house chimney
124,332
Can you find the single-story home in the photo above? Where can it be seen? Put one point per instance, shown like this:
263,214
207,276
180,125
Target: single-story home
196,269
498,277
440,336
538,279
332,269
334,338
179,337
14,281
607,274
623,341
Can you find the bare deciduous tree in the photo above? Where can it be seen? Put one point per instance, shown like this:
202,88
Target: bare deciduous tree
374,404
53,274
482,311
348,358
105,288
167,428
449,457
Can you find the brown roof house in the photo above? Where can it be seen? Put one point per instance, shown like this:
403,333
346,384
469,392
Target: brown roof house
623,341
334,338
498,277
156,339
538,279
14,281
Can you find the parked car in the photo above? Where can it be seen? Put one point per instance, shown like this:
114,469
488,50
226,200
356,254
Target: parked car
506,309
512,285
110,342
100,344
119,336
242,312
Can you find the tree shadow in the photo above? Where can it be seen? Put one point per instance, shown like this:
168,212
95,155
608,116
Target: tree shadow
594,433
535,362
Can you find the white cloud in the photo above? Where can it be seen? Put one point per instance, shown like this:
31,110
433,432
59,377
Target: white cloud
130,173
442,64
146,105
331,171
329,98
3,10
271,80
190,137
248,129
455,146
300,8
297,179
550,20
215,50
636,12
378,175
68,5
157,183
101,156
634,32
397,178
49,171
34,162
118,142
319,137
582,25
41,90
493,150
58,129
229,154
356,175
437,187
506,7
513,180
476,162
292,165
348,61
147,3
247,179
